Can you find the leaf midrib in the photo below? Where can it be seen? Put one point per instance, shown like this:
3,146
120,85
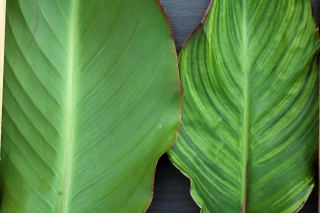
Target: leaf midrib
246,107
69,112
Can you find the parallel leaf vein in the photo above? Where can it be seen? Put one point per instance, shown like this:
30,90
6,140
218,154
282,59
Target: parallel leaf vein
69,116
246,105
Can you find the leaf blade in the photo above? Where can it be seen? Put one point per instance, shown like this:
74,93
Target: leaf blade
247,73
91,102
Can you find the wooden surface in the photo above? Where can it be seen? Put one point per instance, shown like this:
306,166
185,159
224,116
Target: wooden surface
2,27
172,189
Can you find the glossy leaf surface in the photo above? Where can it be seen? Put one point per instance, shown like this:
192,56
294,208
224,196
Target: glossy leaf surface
91,102
250,107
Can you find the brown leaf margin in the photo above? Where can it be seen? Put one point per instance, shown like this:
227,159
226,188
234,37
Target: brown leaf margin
174,49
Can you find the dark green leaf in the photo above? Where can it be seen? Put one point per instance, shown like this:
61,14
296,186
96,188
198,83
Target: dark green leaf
91,102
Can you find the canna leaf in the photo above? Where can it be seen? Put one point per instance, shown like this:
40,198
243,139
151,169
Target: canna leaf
249,131
91,101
